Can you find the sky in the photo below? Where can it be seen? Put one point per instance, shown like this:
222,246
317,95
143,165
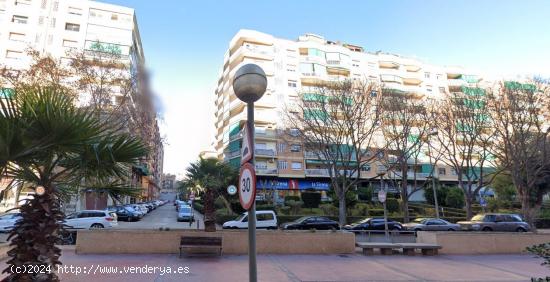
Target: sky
184,43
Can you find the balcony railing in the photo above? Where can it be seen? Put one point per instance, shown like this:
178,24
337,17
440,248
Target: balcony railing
317,172
232,154
266,171
266,133
313,155
265,152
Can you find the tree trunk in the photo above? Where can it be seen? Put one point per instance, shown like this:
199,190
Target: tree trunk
34,238
227,204
468,200
209,212
528,209
342,209
404,194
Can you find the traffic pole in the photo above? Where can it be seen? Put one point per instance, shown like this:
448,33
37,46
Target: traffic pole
252,269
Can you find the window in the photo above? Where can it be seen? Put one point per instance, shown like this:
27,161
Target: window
261,165
365,167
52,22
292,83
453,171
11,54
50,39
282,165
44,3
295,148
114,17
296,165
441,171
294,132
441,89
281,147
75,11
14,36
373,93
19,19
264,216
41,20
426,75
72,27
70,43
429,89
56,6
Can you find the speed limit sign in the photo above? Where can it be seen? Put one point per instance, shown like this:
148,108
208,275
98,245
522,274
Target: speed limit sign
247,186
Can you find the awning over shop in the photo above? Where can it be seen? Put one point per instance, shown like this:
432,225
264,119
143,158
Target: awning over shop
292,184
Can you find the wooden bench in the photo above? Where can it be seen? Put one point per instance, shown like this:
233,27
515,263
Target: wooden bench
385,248
200,245
427,249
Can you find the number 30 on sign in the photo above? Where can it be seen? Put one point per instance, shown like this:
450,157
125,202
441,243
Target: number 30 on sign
247,186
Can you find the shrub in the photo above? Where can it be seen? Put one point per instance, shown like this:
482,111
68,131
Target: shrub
295,206
329,209
392,205
376,212
455,198
351,199
311,199
541,251
198,207
365,194
441,194
265,207
291,198
361,209
285,210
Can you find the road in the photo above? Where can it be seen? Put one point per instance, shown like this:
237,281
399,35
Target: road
165,217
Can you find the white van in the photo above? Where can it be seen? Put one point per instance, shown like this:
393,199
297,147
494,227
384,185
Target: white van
264,219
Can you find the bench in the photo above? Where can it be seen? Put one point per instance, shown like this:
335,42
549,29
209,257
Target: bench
385,248
200,245
427,249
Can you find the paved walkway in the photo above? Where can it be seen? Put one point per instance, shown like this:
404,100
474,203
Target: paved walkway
304,268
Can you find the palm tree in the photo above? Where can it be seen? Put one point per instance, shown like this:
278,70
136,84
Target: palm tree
211,177
48,142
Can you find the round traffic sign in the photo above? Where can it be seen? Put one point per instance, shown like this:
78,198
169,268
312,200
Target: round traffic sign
382,196
247,186
231,190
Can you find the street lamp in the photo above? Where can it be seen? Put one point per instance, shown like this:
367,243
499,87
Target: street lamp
249,86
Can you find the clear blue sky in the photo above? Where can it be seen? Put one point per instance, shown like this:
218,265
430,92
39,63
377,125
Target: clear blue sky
184,43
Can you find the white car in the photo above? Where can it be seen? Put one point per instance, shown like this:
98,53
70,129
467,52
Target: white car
8,220
139,208
264,219
91,219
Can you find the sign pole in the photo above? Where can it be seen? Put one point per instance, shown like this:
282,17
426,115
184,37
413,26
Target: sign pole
253,274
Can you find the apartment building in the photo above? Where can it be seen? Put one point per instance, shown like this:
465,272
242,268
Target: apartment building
297,66
58,27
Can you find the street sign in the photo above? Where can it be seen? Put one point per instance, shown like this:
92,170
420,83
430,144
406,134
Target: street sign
246,150
247,186
231,190
382,196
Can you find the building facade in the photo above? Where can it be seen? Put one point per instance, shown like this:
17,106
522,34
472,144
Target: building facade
298,66
59,27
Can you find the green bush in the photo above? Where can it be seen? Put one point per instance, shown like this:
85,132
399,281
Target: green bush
361,209
392,205
441,194
295,206
291,198
455,198
351,199
329,209
284,210
224,212
365,194
199,207
311,199
265,207
376,212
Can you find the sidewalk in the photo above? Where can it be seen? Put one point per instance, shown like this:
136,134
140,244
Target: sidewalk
303,268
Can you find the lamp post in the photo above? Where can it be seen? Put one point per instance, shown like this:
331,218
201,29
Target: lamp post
382,188
249,86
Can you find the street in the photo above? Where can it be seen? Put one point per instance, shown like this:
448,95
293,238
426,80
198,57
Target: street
164,216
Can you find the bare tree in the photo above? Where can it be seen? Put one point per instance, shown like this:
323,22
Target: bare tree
520,113
405,130
465,138
337,122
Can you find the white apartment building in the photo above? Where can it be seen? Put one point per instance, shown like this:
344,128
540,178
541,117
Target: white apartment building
56,27
297,66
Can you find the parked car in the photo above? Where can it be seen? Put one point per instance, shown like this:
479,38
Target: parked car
311,222
8,220
431,224
125,213
374,224
185,213
148,206
495,222
264,219
140,209
90,219
182,204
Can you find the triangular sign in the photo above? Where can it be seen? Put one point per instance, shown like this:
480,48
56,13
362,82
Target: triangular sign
246,150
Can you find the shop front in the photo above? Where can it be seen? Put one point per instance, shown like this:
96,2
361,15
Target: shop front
275,189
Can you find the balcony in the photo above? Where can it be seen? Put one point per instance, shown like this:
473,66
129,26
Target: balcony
265,152
317,172
232,155
313,155
266,171
456,84
265,134
391,78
